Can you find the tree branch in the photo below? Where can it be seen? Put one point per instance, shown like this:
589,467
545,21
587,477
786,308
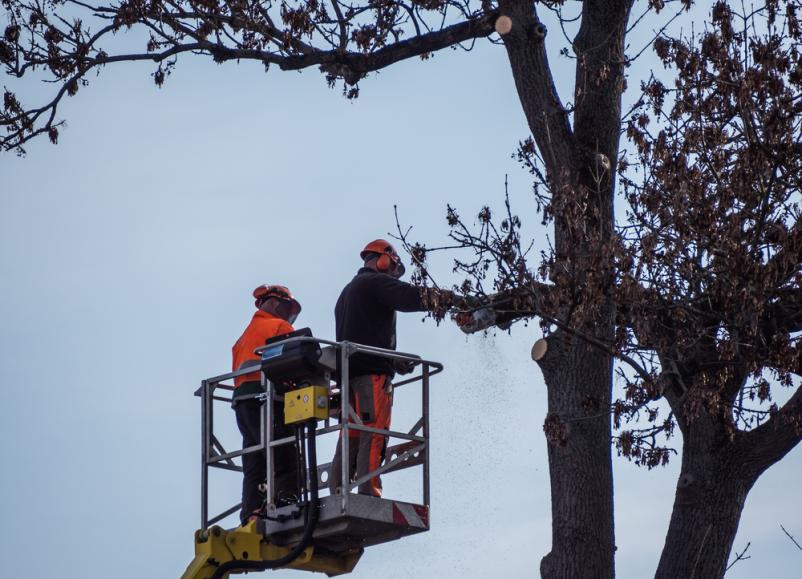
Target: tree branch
740,556
545,113
790,536
225,34
771,441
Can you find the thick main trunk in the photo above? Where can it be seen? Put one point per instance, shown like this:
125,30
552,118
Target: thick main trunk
710,496
580,466
580,167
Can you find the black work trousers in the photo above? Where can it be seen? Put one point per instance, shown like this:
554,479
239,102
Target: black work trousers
285,457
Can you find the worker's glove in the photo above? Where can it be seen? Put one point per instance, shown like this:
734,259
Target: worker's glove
439,299
404,366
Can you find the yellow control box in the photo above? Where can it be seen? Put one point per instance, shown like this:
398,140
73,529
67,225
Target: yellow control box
309,403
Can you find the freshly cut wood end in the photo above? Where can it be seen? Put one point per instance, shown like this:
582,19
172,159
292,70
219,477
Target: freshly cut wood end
539,349
503,25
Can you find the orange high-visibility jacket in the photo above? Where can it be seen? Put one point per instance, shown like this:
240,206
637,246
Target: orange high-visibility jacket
262,327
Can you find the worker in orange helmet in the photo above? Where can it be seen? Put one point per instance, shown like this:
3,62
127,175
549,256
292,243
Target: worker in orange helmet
366,314
276,311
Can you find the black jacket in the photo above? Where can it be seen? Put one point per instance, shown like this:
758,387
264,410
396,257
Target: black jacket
365,314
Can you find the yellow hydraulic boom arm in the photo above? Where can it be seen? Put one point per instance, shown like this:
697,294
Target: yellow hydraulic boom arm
218,546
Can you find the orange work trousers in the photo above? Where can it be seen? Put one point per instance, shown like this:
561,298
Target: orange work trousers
371,397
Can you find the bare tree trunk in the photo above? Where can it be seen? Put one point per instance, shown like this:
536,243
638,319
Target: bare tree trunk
580,465
580,163
710,496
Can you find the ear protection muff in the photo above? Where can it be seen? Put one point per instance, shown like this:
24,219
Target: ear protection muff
387,260
384,263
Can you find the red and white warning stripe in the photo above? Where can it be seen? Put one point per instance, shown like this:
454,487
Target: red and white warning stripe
411,515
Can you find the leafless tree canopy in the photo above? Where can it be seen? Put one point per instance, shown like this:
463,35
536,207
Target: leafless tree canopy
65,40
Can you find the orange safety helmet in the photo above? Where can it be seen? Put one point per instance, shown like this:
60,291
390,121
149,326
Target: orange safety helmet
388,261
279,292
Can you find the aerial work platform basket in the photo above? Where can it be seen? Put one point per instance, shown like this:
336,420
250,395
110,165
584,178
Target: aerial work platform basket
345,522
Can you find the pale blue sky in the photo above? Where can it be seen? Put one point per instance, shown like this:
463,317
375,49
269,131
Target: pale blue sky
127,256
